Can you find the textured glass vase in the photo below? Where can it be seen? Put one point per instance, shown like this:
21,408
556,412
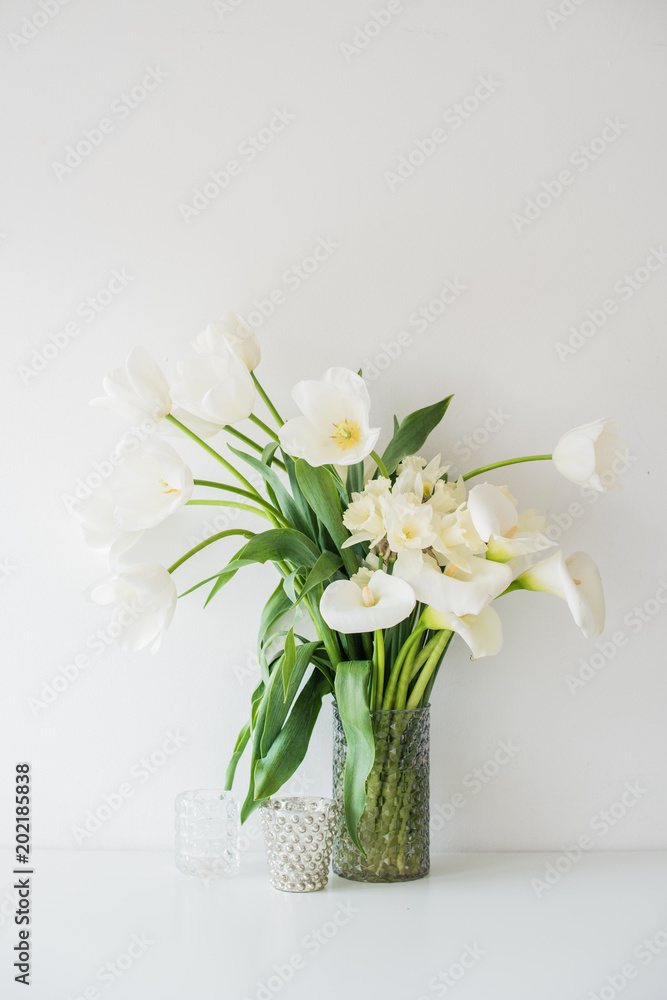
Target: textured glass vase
207,833
298,833
394,827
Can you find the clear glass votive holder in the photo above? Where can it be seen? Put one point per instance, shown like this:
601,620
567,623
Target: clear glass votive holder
208,826
298,834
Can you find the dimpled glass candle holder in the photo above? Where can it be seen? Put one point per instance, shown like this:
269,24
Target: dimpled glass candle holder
207,833
298,833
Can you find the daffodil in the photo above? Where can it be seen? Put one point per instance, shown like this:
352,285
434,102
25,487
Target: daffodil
334,426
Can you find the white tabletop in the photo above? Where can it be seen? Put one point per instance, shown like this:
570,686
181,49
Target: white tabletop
128,926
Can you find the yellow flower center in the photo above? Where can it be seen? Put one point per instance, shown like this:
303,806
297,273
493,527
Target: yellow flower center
367,595
511,533
347,434
167,488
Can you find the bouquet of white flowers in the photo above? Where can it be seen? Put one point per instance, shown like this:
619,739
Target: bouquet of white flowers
388,560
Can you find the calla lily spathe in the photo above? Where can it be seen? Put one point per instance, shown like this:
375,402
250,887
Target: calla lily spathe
588,455
233,329
215,386
575,580
335,425
507,533
482,633
143,599
137,391
459,592
384,601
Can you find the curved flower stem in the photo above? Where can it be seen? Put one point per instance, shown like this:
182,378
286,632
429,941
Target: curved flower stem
431,664
509,461
269,405
213,453
209,541
243,437
242,493
264,427
238,506
380,464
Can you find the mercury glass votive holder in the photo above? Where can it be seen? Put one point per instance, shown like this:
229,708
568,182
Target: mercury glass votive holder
207,833
298,834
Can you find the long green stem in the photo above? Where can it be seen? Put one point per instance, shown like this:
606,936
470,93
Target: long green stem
414,637
431,664
404,679
243,437
264,427
380,464
238,506
209,541
269,405
241,493
213,453
509,461
379,662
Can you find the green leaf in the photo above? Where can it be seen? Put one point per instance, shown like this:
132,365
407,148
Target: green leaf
321,492
269,452
283,497
412,433
275,704
289,662
290,745
351,688
273,545
239,747
355,479
325,567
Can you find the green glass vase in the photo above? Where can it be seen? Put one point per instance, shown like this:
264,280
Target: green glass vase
394,827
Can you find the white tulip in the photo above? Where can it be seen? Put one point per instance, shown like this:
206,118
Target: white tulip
148,486
99,526
335,426
418,477
482,633
237,333
384,601
575,580
588,455
137,391
456,591
216,386
144,600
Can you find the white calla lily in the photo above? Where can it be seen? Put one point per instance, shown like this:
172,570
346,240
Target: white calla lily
237,333
507,533
482,633
148,486
216,386
575,580
456,591
588,455
137,391
335,424
383,601
144,600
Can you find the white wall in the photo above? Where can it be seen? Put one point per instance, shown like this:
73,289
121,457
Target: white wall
325,176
